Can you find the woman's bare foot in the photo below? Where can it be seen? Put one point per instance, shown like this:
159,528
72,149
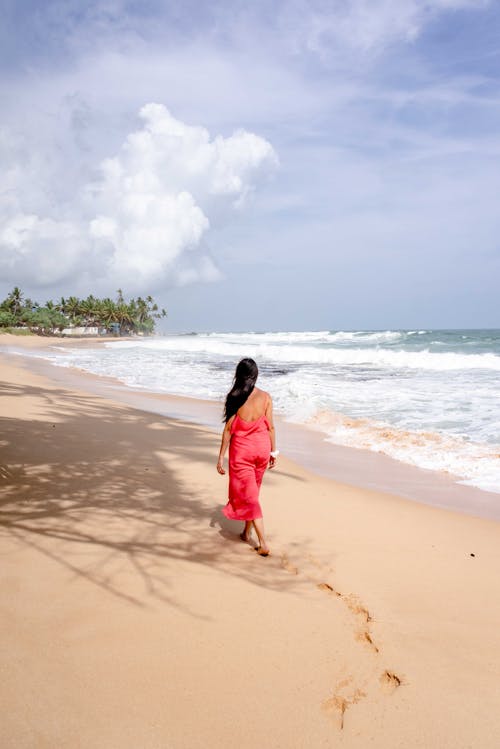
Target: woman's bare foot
244,537
262,551
262,547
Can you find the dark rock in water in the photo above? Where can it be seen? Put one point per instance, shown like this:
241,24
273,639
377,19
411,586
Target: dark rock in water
472,555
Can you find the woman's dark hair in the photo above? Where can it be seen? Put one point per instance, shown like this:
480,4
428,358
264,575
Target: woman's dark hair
244,381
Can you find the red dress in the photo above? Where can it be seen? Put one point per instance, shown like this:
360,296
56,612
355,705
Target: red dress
248,459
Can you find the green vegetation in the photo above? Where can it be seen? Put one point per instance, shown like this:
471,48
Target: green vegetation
21,315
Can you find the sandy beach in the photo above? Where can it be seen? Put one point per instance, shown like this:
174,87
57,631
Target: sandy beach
133,616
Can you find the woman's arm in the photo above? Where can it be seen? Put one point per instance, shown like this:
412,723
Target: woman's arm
272,431
224,444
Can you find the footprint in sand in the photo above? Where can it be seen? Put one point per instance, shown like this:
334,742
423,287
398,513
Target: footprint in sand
390,682
328,589
354,604
365,636
288,566
343,697
356,607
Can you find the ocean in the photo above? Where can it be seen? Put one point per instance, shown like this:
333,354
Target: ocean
425,397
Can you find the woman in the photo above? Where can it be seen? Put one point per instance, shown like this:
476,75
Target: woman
249,433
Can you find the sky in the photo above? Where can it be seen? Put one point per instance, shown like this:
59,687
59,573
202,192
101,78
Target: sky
295,165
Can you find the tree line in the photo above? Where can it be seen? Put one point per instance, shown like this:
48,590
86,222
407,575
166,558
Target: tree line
118,317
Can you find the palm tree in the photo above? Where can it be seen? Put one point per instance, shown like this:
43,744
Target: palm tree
124,318
15,301
89,309
72,307
108,312
142,310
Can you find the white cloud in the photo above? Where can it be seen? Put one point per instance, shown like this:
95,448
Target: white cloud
365,26
142,222
38,250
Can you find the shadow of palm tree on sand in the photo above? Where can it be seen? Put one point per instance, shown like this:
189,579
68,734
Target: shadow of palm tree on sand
125,502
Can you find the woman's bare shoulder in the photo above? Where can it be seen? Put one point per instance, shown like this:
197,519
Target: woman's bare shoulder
265,399
261,393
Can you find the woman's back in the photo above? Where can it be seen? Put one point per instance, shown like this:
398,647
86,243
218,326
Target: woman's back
255,406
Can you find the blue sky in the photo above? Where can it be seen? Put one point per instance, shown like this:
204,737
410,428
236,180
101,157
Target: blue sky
300,165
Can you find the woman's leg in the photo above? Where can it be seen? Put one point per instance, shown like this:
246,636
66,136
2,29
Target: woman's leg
258,524
245,536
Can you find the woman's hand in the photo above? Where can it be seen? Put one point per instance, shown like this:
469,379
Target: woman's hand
272,462
220,468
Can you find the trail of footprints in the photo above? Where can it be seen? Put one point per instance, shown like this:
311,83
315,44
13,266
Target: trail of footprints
346,693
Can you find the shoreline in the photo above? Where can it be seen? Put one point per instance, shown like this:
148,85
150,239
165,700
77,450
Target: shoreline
133,615
308,446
